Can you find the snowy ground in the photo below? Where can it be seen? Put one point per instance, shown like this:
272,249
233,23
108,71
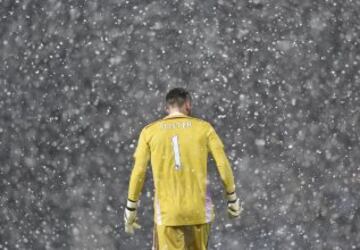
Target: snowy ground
278,79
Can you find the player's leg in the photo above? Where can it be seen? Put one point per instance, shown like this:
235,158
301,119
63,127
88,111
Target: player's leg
197,236
168,238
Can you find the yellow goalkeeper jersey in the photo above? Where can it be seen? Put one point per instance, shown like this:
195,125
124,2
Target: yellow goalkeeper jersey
178,147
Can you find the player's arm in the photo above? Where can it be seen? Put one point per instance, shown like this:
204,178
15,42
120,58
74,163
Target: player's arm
216,148
141,158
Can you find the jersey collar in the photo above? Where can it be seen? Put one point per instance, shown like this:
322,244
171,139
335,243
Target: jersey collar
175,114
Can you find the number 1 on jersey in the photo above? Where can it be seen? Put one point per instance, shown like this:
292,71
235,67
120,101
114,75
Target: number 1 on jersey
175,144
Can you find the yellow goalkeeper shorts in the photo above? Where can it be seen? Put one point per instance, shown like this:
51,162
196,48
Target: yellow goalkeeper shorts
185,237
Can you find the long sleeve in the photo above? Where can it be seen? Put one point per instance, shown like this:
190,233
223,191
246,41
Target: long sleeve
216,147
141,158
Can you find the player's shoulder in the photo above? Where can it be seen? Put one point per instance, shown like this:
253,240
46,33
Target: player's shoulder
200,121
206,125
151,124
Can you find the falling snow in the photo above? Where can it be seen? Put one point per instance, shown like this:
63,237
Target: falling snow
279,80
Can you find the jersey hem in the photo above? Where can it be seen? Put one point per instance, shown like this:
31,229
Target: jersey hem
186,223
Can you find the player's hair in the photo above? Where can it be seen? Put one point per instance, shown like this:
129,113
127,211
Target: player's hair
177,96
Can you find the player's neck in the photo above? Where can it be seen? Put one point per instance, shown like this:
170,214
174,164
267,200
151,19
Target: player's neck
176,112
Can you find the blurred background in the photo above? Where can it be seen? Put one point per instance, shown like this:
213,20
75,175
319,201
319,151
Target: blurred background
279,80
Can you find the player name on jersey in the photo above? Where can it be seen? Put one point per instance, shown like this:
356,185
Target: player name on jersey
186,124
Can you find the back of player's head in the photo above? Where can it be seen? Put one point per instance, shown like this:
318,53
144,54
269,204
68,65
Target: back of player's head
177,97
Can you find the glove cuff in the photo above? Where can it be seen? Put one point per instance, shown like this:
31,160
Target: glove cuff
131,205
231,197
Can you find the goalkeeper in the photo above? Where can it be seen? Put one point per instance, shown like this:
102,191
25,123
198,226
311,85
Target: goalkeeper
177,146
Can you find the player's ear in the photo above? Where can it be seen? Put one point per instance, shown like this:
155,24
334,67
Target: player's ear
188,107
188,104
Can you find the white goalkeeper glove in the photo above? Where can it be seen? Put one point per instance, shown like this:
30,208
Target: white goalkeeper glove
233,205
130,217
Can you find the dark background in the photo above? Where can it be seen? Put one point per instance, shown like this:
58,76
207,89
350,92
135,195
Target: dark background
279,80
